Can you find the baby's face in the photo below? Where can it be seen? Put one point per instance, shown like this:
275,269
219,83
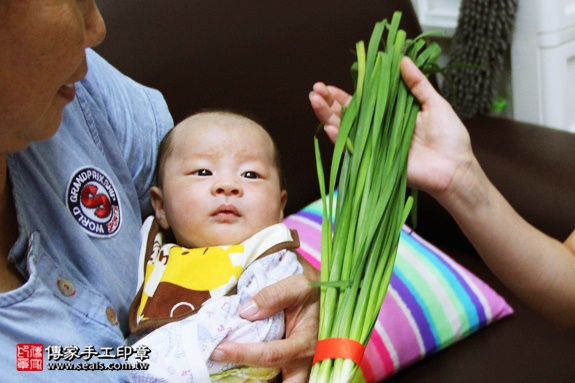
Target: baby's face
220,183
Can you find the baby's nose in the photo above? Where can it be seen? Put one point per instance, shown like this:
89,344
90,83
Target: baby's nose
227,187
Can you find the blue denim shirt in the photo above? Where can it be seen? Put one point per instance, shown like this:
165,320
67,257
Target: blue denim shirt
80,197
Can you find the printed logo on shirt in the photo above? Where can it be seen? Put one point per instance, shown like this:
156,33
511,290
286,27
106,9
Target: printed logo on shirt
92,199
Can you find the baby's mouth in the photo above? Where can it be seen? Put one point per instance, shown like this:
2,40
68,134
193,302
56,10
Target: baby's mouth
225,211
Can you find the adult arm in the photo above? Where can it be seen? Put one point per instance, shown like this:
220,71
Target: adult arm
537,268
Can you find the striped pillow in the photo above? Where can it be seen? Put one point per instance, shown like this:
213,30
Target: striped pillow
432,301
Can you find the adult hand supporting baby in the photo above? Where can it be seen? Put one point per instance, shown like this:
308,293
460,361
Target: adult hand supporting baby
294,353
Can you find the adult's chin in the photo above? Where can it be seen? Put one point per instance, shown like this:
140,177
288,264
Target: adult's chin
49,127
42,130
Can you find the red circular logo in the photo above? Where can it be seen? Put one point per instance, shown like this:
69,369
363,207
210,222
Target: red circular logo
93,201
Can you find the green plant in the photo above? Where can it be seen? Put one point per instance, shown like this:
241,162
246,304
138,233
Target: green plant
370,206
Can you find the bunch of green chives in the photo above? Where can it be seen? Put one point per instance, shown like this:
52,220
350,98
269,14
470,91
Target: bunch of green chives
370,155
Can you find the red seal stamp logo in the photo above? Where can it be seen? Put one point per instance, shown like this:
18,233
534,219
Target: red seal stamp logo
29,357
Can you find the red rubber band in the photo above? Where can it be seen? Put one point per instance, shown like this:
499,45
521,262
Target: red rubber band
338,348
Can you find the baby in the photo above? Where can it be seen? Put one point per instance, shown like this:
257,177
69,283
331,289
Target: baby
216,240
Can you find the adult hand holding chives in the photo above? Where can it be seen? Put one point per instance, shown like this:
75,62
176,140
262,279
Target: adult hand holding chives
438,131
441,144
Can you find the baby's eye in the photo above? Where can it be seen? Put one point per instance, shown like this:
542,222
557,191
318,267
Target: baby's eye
251,174
202,173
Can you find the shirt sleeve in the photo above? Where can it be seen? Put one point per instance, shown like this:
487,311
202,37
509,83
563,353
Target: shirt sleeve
138,115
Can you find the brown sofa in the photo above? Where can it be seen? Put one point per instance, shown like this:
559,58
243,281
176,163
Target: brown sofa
263,57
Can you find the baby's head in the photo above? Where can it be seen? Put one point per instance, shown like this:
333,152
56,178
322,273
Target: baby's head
219,180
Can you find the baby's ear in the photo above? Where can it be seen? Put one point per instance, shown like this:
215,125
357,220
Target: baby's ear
283,204
157,198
